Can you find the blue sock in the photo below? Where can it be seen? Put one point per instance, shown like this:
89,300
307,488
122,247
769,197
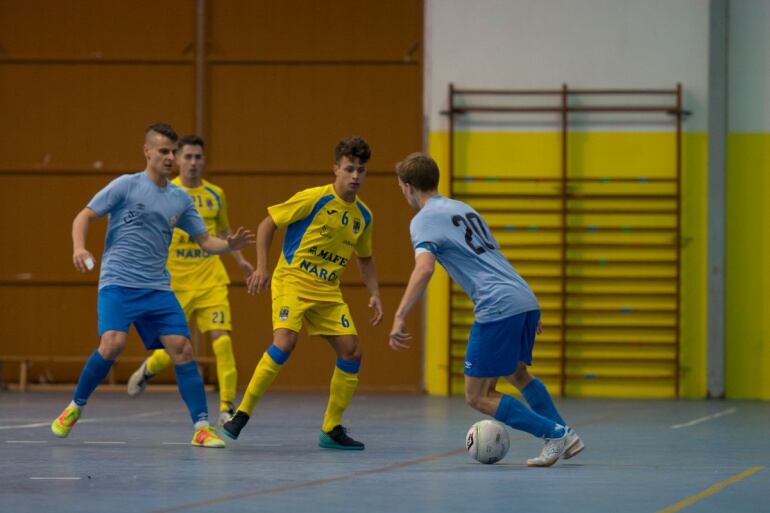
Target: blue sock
518,416
190,385
540,401
94,372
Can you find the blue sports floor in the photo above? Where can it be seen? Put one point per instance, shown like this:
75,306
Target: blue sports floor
134,455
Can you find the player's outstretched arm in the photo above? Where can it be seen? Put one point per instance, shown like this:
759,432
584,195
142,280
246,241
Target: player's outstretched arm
369,275
424,265
243,264
216,246
82,259
260,278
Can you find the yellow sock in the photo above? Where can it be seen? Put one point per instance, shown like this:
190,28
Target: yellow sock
227,374
341,391
266,371
159,360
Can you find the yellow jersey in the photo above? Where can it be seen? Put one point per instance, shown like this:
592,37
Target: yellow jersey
323,231
192,268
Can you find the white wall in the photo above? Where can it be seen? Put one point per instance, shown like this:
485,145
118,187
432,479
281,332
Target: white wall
749,65
584,43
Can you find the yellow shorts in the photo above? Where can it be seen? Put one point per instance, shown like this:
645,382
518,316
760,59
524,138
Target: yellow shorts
209,308
322,317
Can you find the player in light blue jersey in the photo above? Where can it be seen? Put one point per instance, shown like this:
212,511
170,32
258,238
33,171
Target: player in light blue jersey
507,313
134,286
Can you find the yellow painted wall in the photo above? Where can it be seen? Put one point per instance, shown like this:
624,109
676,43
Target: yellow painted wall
747,355
648,154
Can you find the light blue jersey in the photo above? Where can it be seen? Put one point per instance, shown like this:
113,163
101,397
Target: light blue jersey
463,244
142,217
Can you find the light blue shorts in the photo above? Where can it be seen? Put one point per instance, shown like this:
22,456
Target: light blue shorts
153,312
496,348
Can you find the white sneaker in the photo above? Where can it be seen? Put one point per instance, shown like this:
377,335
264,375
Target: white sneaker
224,416
574,448
138,380
554,448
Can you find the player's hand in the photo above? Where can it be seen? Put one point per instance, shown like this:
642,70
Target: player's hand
83,260
375,303
246,268
240,239
399,336
258,281
539,327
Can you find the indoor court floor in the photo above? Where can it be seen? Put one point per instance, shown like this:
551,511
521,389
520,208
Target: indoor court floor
130,455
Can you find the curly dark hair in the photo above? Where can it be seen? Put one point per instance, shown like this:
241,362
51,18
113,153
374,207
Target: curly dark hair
353,146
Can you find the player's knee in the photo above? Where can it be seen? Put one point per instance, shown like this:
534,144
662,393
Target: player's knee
474,399
111,345
521,377
180,351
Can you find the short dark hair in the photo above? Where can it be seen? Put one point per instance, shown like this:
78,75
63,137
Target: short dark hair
190,140
420,171
353,146
163,129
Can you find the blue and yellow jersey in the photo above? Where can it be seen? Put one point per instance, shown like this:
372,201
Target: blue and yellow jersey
322,232
192,268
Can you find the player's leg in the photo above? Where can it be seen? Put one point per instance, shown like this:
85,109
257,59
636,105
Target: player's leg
227,372
159,359
495,349
271,363
116,310
334,323
94,371
164,325
212,316
341,390
287,315
190,384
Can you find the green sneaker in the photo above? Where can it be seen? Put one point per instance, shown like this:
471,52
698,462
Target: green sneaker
338,438
62,424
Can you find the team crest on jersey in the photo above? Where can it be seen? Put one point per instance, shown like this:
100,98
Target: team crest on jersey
283,314
209,203
325,232
356,225
313,250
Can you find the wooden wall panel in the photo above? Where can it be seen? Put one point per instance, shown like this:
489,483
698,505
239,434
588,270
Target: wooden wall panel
87,117
79,81
316,29
95,29
289,118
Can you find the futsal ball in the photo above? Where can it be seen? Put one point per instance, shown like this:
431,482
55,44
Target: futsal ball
487,441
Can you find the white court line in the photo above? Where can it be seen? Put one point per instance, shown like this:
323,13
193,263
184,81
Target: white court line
104,443
729,411
26,441
100,419
57,478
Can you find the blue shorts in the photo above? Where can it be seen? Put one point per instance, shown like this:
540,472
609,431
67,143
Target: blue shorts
496,348
153,312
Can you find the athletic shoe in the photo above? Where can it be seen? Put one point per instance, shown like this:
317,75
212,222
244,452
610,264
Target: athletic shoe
338,438
138,380
232,427
553,449
225,416
575,448
62,424
207,437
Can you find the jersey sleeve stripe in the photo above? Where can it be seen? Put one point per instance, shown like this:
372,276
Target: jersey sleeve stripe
296,230
365,212
212,191
426,246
